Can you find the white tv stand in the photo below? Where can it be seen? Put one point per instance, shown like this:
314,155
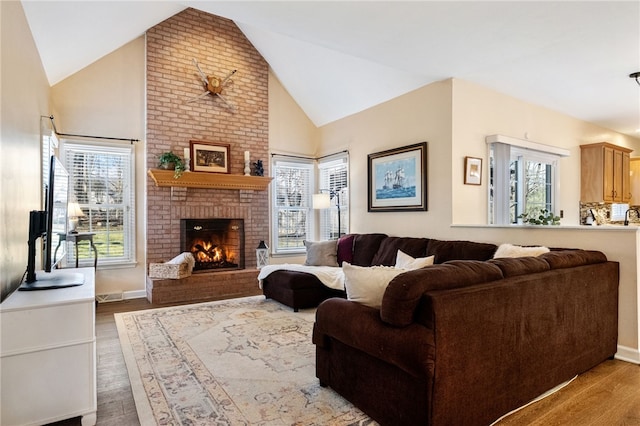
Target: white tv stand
48,354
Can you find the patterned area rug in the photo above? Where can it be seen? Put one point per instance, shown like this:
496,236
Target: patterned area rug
247,361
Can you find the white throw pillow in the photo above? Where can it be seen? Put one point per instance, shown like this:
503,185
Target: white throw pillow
366,285
408,262
509,250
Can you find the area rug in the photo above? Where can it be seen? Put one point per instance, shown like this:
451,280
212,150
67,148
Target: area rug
247,361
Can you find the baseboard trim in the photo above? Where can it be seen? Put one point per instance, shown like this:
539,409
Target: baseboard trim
136,294
628,354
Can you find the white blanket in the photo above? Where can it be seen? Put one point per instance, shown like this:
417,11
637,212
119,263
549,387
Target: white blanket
331,276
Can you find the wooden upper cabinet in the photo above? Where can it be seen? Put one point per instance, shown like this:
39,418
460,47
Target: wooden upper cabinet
604,173
634,173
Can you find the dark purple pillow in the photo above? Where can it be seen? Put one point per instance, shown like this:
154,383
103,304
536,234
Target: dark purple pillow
345,249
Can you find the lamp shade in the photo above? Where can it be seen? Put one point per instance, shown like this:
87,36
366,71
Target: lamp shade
73,213
321,201
74,210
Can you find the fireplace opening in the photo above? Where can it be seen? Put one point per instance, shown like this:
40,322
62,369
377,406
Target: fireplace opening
216,244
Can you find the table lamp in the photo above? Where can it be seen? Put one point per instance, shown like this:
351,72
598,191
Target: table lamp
74,212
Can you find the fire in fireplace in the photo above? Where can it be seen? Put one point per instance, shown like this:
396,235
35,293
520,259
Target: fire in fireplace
216,244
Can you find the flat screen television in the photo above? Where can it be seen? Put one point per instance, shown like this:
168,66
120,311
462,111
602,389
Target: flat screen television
50,225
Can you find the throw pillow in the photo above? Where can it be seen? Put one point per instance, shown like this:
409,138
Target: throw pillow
366,284
321,253
510,250
345,249
405,261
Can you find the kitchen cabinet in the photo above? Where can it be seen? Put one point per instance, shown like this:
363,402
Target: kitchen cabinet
605,173
634,173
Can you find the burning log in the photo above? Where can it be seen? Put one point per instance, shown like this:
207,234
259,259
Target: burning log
210,253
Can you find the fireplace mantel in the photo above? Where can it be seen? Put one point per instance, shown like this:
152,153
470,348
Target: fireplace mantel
209,180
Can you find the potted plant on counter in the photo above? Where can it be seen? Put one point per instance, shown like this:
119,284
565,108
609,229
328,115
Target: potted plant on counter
545,217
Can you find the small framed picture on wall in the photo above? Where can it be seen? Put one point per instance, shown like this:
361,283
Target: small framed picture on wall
472,171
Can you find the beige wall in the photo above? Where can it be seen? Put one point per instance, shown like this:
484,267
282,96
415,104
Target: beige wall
422,115
290,132
25,97
107,98
479,111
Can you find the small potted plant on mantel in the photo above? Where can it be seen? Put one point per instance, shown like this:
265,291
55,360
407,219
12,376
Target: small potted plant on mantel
170,161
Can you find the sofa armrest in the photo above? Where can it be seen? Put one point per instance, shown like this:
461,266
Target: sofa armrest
410,348
508,341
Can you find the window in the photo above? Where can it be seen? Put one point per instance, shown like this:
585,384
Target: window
49,144
292,215
333,178
523,179
101,181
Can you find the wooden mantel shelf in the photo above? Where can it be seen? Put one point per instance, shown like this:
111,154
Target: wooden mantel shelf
209,180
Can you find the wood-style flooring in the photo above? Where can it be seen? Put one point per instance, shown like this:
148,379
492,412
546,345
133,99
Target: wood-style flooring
607,395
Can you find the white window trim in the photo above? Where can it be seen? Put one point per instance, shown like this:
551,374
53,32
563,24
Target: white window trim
323,163
129,260
284,161
504,148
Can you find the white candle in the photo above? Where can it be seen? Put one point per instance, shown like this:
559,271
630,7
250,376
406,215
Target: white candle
186,153
246,156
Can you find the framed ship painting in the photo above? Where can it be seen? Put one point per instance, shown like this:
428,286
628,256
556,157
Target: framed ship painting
398,179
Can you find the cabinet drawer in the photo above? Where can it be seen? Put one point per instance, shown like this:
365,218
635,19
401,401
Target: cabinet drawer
42,387
46,327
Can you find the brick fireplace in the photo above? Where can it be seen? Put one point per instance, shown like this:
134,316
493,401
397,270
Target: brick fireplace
172,80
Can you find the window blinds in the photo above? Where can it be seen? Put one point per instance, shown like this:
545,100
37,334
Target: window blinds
101,181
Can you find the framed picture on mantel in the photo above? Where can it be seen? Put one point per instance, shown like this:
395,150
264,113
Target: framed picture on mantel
209,157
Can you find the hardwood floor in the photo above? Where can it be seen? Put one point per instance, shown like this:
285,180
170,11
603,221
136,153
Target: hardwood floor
607,395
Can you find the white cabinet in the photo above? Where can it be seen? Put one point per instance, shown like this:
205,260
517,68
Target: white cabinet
48,354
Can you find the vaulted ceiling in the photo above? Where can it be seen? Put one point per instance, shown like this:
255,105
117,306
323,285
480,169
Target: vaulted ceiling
340,57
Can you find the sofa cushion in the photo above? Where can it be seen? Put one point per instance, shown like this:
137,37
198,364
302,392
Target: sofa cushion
511,267
365,247
321,253
345,249
510,250
404,261
404,292
559,259
445,251
366,284
386,254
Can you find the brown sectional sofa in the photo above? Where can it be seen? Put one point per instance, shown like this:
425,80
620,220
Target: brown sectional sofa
300,290
467,340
